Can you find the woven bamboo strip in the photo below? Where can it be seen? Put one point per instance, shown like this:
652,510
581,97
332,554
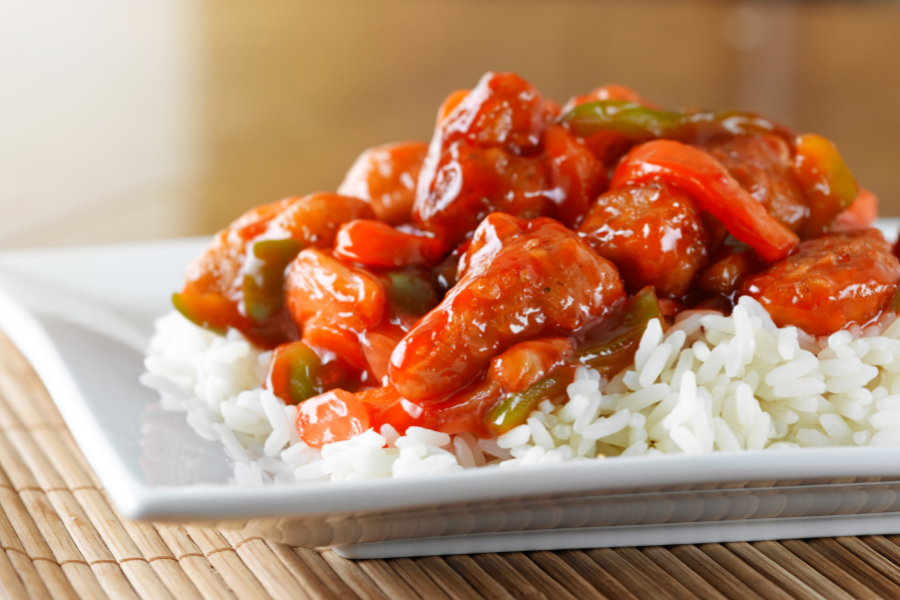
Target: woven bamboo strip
21,403
487,586
46,458
51,530
557,568
227,563
28,574
39,524
450,581
679,571
145,580
884,547
801,570
44,474
352,574
808,555
596,575
773,571
418,580
508,576
72,447
537,577
852,564
20,561
627,574
312,586
10,585
62,459
36,474
196,566
752,578
650,571
321,570
636,573
390,582
109,572
36,411
715,574
27,533
13,359
114,582
871,557
55,580
269,570
161,558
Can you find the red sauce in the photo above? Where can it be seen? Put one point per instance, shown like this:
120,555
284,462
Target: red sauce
447,280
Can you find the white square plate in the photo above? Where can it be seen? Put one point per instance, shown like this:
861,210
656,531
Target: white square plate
83,317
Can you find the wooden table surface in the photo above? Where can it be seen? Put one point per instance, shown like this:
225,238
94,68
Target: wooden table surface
61,538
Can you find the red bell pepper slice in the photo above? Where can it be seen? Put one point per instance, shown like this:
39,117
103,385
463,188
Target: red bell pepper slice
861,214
714,190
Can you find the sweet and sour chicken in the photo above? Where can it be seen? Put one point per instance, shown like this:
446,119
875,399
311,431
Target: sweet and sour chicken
456,284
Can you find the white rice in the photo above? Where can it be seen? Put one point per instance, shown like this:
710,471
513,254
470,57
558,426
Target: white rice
709,383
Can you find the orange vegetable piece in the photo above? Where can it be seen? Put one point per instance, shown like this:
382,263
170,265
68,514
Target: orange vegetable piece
527,362
861,214
826,181
331,417
333,303
710,185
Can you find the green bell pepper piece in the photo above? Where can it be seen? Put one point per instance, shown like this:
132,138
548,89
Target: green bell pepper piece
613,343
611,349
410,290
264,284
640,123
514,409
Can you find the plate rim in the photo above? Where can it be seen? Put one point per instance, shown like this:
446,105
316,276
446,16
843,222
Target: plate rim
137,500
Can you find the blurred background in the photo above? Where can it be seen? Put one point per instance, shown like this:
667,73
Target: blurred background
124,120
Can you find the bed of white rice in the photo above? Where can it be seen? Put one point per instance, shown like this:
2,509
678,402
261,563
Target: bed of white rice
711,383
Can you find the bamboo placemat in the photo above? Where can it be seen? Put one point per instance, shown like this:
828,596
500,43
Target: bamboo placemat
61,538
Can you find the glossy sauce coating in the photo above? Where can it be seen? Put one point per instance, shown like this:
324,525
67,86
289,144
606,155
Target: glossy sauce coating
386,178
333,302
483,159
376,244
454,285
762,165
653,234
829,283
510,288
217,270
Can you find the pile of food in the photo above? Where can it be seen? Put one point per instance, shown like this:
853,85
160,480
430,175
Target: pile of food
542,284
